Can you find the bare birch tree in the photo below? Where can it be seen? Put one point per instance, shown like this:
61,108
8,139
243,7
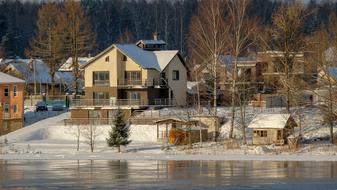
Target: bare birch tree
325,56
288,39
90,134
242,35
208,37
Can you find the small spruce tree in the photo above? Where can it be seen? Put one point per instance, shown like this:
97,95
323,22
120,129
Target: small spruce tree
119,134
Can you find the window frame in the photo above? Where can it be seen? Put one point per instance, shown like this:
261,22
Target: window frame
100,78
6,108
136,93
15,90
6,91
175,75
101,95
107,59
15,108
261,133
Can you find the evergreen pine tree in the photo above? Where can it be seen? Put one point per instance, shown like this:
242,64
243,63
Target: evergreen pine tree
119,134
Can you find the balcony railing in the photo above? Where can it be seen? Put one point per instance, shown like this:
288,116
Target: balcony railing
121,102
6,115
88,121
143,83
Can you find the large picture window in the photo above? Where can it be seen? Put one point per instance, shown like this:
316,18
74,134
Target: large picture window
134,95
101,95
133,77
101,78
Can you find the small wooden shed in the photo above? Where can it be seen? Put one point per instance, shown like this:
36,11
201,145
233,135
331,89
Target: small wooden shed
272,128
182,131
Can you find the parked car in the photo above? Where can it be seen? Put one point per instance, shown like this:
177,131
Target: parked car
57,105
41,106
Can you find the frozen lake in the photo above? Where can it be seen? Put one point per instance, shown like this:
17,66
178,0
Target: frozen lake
98,174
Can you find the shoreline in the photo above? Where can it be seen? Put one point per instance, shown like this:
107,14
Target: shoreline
170,157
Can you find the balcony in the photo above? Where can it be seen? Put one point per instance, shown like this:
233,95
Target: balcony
130,103
142,83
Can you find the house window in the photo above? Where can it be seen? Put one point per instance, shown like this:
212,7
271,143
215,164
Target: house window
6,91
260,133
95,117
6,108
101,95
133,77
101,78
175,75
107,59
14,90
124,58
134,95
15,108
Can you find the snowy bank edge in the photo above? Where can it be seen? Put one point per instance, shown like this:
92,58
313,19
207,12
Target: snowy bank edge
169,157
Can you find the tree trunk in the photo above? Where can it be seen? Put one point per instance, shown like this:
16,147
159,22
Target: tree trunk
288,100
119,148
78,138
331,113
198,92
331,133
215,86
243,123
233,99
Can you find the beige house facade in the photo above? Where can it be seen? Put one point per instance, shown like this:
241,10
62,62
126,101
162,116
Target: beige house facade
130,77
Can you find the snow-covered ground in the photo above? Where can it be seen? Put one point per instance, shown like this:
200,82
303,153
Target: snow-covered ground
51,139
31,116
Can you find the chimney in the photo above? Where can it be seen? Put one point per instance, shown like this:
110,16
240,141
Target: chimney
156,36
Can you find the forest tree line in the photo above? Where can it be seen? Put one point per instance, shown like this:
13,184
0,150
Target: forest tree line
111,18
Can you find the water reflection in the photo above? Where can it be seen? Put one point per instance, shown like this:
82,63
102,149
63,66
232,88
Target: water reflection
86,174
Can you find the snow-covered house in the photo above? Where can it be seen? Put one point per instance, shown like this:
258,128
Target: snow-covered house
11,103
36,75
132,77
272,128
67,65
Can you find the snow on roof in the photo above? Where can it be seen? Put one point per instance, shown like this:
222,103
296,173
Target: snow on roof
6,79
228,60
147,59
164,57
151,42
67,65
269,121
191,87
332,72
41,74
